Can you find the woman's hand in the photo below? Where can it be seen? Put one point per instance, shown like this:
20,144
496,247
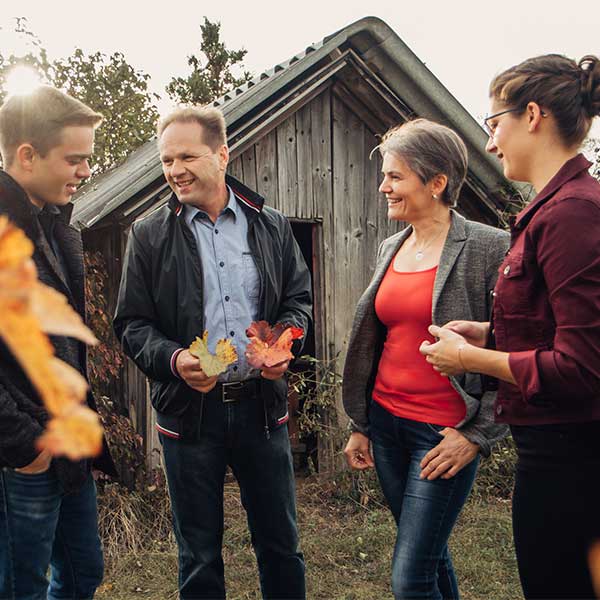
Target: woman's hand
358,452
474,332
445,354
449,456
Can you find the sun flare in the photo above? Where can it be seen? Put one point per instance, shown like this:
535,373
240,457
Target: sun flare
21,80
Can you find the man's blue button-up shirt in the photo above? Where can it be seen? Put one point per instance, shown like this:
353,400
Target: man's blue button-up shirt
231,280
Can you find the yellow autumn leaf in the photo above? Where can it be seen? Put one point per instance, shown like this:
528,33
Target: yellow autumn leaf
17,284
15,246
76,434
74,383
56,316
25,306
594,559
33,351
213,364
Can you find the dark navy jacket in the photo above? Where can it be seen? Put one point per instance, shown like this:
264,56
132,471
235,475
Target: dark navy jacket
160,303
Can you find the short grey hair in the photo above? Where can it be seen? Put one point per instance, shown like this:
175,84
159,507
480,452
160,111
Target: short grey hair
211,119
429,149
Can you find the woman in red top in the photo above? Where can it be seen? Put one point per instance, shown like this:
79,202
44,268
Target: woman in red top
546,321
426,431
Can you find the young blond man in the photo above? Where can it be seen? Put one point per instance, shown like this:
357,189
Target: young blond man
48,511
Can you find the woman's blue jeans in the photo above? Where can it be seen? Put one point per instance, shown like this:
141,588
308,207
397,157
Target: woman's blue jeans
41,526
425,511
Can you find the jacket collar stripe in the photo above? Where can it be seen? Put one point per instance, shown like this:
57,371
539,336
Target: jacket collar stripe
247,202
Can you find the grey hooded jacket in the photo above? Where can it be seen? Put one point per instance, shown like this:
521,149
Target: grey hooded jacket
462,291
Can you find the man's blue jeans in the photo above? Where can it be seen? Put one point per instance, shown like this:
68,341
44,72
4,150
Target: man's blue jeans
425,511
41,526
233,434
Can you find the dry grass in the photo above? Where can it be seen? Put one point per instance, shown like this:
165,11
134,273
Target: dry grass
347,546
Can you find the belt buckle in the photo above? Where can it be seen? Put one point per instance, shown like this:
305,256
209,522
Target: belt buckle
234,385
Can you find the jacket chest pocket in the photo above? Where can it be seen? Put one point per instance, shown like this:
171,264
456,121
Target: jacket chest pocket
513,288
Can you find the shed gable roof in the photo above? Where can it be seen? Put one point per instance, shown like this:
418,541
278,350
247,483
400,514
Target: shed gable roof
369,44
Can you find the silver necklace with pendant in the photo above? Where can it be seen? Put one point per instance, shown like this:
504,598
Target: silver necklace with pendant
420,254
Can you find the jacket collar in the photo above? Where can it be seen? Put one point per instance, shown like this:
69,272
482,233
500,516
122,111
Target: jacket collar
251,202
568,171
455,241
15,203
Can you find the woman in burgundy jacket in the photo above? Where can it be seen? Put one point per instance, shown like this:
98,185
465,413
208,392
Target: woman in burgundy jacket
546,321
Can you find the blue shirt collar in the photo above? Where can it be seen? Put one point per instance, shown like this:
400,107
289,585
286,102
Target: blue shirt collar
191,211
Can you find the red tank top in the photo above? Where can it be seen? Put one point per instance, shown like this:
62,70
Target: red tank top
406,384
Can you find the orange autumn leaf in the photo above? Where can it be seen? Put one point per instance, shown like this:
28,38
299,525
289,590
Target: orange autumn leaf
56,315
270,346
75,434
217,363
27,308
15,247
594,560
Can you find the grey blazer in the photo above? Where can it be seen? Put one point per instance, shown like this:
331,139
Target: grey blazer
462,290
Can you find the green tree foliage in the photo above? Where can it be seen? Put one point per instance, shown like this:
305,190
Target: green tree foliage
116,90
108,84
211,76
592,151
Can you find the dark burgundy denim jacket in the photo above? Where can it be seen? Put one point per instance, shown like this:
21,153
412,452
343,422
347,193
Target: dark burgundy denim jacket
547,304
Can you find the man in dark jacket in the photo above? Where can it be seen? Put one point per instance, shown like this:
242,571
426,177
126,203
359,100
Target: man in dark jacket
48,513
215,258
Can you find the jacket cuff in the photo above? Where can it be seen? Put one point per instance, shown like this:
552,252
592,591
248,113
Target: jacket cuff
173,362
475,437
358,428
524,368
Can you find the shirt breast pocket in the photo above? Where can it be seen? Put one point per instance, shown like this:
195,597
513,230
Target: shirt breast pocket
251,277
513,288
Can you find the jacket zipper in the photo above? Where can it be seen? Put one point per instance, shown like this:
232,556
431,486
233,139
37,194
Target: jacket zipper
262,310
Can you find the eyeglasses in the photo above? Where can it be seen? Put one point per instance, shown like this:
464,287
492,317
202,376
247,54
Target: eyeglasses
489,130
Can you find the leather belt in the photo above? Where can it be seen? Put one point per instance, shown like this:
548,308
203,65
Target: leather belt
236,390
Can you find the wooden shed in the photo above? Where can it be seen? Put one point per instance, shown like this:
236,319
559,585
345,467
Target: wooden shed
301,135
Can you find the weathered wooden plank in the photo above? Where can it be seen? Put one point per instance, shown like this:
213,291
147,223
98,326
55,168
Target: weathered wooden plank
373,202
236,169
249,168
305,167
323,207
342,226
267,168
324,249
355,200
287,161
152,443
371,120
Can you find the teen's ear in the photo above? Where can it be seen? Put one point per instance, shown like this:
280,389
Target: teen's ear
25,157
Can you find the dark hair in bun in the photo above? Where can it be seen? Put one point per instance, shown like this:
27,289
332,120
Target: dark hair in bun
590,84
570,91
